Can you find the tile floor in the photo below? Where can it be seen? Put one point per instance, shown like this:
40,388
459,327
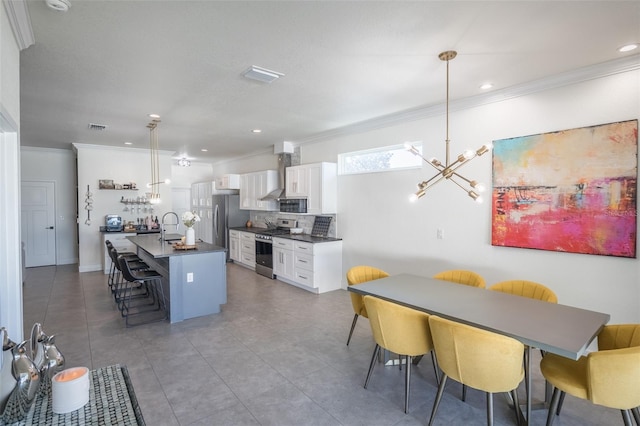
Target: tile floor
275,355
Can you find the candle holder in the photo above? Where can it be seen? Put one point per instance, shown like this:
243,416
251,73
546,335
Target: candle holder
70,390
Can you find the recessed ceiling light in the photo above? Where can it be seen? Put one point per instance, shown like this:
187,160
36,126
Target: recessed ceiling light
128,143
486,86
154,116
204,150
256,131
628,47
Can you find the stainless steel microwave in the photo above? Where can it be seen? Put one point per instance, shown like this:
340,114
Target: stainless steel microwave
293,205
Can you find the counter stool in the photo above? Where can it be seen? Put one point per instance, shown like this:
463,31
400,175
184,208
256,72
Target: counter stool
113,269
152,282
117,283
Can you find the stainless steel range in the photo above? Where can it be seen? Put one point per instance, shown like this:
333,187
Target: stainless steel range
264,246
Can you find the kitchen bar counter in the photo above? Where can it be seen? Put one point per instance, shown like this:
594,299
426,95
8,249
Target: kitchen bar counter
194,281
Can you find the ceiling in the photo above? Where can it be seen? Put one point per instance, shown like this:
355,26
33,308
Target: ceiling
115,62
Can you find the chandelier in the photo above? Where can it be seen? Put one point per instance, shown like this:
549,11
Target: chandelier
154,196
448,169
183,162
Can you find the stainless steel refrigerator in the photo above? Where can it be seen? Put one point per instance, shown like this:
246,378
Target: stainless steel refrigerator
226,214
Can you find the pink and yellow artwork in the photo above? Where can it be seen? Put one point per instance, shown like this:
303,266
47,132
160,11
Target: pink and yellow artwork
572,190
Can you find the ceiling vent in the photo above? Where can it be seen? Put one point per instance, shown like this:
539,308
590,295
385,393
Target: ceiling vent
261,74
94,126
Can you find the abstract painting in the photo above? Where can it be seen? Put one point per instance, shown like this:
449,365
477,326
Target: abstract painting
570,191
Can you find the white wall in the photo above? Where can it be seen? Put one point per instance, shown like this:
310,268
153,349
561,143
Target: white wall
10,248
121,165
381,227
59,166
183,177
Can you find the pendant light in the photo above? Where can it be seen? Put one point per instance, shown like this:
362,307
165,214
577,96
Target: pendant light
448,169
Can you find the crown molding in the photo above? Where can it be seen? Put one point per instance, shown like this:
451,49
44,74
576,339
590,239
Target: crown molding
86,146
20,21
592,72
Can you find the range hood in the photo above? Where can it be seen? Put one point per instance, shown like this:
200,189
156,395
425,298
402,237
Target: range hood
284,161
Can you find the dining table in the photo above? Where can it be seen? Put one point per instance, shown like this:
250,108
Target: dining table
560,329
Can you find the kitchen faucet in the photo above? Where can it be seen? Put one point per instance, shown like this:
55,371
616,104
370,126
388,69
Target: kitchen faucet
162,230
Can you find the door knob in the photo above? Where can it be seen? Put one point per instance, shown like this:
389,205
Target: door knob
49,227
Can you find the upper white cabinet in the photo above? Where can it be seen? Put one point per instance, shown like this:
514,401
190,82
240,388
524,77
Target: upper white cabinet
318,183
201,195
228,182
201,203
254,186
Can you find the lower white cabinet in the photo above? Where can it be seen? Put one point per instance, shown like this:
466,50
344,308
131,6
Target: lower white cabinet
283,258
248,249
121,244
314,267
234,245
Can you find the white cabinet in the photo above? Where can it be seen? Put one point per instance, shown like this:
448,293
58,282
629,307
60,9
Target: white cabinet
201,203
318,183
283,258
254,186
121,244
248,249
227,182
297,182
234,245
316,267
201,195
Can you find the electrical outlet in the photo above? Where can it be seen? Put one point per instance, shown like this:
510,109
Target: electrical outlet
189,277
440,234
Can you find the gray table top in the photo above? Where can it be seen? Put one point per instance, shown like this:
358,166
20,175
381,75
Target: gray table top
156,248
555,328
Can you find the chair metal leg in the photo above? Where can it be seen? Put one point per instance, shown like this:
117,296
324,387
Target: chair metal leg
372,364
489,408
434,360
464,392
407,378
516,405
353,326
443,382
560,402
626,416
555,398
636,414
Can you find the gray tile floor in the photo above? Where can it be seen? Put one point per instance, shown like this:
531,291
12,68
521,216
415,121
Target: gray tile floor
275,355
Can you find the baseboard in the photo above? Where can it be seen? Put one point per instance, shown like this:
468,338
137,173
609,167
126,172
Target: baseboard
90,268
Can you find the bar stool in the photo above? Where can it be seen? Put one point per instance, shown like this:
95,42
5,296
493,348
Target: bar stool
117,285
113,269
152,281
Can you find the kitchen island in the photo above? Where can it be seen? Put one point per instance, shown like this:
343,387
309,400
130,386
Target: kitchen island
194,281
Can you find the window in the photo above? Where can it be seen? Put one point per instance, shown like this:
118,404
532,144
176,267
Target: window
383,159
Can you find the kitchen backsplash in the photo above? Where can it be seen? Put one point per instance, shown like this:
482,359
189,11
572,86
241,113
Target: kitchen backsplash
305,221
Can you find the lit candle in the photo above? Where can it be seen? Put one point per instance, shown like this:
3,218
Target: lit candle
70,390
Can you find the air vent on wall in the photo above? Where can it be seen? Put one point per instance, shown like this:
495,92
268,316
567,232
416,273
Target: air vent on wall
94,126
261,74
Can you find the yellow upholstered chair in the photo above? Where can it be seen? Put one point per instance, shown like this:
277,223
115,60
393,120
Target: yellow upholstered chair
461,277
357,275
401,330
609,377
524,288
477,358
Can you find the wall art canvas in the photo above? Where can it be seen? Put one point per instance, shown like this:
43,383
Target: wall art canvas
570,191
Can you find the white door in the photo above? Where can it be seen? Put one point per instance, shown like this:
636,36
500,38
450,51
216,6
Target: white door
38,223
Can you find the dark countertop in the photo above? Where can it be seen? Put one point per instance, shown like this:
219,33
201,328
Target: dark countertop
156,248
103,230
255,230
297,237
